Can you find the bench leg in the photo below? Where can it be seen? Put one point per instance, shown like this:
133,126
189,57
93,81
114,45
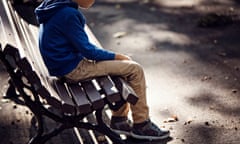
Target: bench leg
39,138
116,139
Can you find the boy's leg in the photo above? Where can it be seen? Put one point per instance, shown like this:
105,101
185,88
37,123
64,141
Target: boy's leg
143,128
130,71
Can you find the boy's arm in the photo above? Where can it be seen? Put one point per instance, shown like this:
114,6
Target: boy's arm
121,57
74,31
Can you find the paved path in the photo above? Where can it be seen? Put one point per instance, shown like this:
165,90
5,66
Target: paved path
191,72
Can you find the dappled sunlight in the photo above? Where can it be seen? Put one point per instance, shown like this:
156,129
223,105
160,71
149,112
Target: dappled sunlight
172,37
188,97
179,3
162,35
174,82
140,36
191,3
120,1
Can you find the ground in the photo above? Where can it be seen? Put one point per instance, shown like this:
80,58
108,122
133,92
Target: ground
192,72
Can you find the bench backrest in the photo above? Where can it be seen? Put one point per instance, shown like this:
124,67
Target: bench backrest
24,77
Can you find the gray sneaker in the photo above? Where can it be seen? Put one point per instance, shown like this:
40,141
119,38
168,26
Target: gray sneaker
149,131
121,125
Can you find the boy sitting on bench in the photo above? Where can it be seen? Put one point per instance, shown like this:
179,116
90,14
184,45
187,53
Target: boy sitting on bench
67,52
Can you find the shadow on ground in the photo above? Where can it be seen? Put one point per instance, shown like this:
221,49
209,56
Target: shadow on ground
213,102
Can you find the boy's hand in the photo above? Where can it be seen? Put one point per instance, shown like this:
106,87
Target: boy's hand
122,57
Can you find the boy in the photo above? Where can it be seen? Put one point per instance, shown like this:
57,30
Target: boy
67,52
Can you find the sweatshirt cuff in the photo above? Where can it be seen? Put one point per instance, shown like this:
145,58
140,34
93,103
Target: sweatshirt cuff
112,55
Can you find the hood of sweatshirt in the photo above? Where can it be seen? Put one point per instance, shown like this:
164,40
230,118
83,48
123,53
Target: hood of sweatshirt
49,7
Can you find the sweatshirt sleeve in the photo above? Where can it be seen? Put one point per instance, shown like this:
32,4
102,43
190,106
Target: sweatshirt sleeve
74,30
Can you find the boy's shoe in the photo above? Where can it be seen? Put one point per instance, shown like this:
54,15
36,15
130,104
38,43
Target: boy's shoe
121,125
148,130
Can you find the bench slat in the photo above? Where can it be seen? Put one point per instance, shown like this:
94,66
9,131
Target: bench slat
67,103
93,95
80,98
25,66
109,89
12,55
43,92
31,75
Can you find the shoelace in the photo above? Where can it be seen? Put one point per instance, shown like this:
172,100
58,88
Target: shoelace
153,127
156,128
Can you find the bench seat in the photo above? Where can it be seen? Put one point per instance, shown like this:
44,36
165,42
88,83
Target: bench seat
73,101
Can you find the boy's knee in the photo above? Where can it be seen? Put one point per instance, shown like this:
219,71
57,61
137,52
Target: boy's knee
136,67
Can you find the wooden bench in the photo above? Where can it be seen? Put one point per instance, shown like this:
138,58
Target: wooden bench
70,103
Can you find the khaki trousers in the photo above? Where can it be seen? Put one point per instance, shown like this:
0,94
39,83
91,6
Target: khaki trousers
131,71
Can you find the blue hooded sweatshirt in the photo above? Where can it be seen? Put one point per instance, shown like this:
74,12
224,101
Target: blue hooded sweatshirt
63,42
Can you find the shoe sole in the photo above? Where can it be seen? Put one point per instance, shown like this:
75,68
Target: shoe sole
149,137
122,132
